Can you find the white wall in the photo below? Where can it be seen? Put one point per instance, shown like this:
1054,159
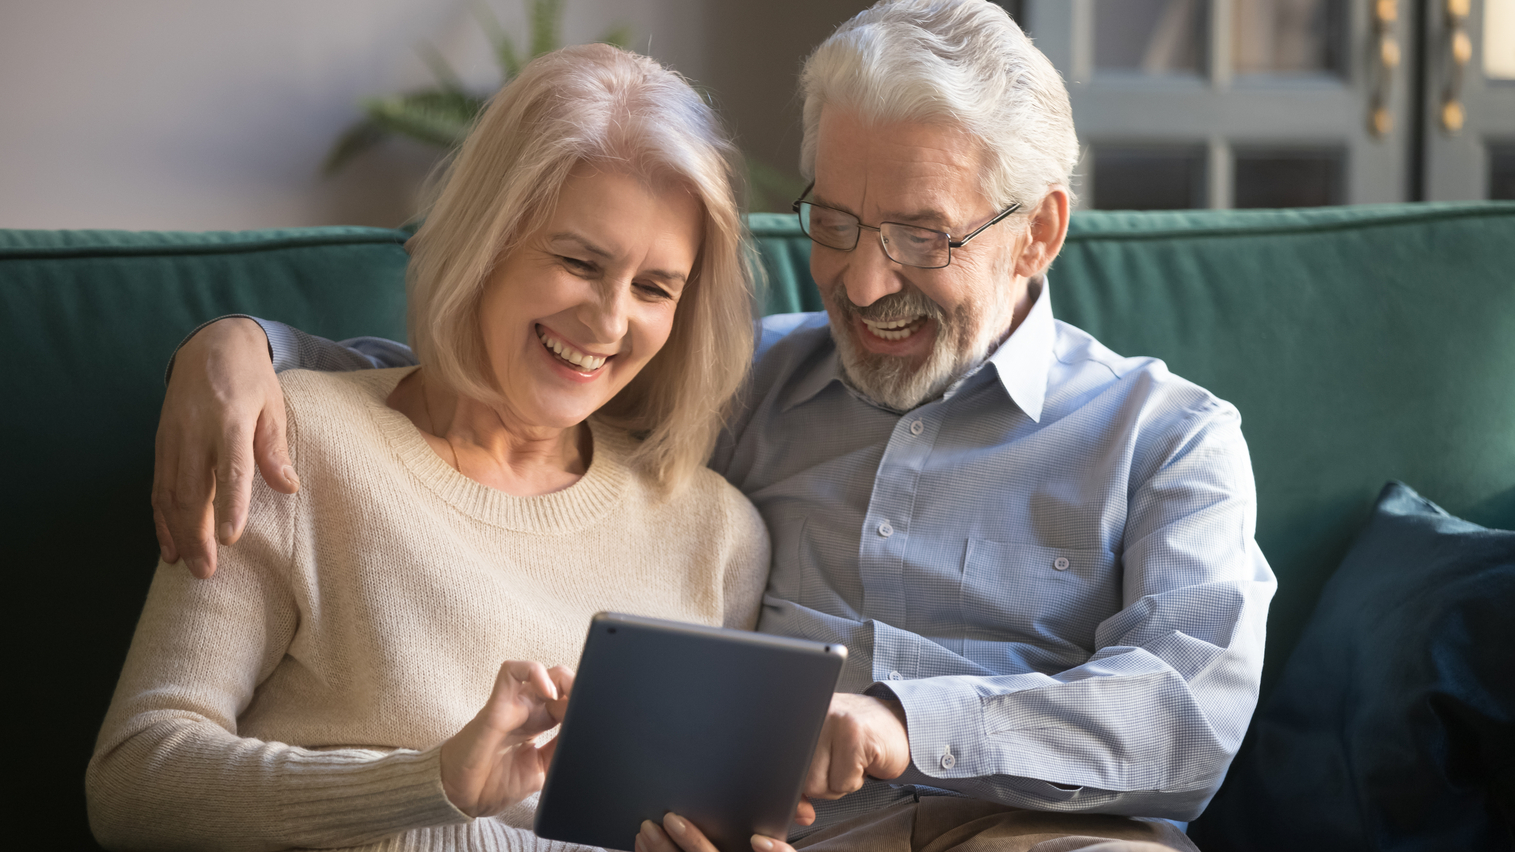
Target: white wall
208,115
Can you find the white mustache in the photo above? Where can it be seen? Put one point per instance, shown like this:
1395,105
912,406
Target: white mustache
906,304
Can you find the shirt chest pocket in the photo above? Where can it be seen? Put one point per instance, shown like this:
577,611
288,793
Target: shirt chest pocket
1053,598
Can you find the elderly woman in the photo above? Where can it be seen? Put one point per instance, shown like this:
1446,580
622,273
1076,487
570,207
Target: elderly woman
580,308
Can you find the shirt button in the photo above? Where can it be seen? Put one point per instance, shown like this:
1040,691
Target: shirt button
917,427
948,761
1060,563
896,676
885,530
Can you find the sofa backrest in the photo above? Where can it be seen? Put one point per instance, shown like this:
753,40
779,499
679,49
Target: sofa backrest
1360,344
88,321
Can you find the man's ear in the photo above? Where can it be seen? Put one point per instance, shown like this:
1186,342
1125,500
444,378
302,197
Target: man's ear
1048,227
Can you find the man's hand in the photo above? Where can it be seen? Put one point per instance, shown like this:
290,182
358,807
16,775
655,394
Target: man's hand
492,763
863,736
223,410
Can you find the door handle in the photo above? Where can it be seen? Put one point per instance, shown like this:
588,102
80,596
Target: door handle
1385,59
1460,52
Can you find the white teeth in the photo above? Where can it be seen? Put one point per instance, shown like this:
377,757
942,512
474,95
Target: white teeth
899,323
893,329
587,363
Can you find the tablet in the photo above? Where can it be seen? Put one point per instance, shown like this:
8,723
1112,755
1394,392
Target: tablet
715,725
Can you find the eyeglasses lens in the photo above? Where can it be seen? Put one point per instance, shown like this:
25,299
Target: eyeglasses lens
915,246
903,243
830,228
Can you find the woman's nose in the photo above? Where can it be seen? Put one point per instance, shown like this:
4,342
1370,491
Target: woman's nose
609,316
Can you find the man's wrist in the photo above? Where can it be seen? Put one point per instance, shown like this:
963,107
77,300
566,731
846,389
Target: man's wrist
248,326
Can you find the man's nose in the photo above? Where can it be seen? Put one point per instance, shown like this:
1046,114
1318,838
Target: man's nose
871,275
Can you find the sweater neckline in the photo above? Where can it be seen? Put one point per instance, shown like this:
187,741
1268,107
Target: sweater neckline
573,508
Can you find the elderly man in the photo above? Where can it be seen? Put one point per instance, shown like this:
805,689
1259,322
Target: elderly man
1039,553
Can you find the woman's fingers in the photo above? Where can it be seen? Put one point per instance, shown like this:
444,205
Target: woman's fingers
769,844
492,762
529,675
676,834
563,677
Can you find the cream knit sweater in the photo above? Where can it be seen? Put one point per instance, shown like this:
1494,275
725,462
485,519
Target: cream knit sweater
299,698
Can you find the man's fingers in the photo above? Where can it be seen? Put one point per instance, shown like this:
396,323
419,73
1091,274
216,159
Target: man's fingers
271,448
816,786
165,472
804,812
233,485
845,773
166,550
189,516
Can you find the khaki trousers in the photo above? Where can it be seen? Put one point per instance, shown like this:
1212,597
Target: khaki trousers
943,823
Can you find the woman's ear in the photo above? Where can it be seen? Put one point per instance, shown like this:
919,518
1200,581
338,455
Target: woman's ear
1048,227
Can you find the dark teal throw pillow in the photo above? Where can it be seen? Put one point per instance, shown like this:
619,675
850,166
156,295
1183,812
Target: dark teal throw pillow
1393,723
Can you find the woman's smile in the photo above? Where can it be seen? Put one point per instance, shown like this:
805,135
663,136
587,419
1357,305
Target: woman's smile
580,305
565,353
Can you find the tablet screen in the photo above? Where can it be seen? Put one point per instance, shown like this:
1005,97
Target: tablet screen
715,725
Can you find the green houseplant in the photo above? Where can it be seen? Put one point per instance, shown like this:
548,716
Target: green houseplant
441,114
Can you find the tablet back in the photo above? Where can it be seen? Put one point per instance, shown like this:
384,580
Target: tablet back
715,725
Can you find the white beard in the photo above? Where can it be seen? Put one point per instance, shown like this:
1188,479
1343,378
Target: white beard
892,382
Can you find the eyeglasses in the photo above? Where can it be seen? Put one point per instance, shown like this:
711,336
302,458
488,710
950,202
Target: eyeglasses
908,245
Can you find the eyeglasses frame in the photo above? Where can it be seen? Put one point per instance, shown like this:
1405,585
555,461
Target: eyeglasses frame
951,243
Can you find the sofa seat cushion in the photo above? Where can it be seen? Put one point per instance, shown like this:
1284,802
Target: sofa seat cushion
1393,722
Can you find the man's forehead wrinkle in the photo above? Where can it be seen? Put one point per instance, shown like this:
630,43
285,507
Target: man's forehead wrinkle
911,173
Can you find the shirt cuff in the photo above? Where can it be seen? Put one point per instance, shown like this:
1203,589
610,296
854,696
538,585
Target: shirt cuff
945,723
168,371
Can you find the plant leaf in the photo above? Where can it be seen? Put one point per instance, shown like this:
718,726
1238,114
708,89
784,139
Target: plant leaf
355,140
447,78
500,41
546,26
434,117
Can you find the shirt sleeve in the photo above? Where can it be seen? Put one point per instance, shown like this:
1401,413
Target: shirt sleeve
1149,724
292,349
170,770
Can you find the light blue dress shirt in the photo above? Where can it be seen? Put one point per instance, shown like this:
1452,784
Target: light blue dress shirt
1052,566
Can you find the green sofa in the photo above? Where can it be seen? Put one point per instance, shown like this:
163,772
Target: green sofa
1360,344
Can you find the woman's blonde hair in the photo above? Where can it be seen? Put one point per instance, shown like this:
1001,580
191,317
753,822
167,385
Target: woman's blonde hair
603,106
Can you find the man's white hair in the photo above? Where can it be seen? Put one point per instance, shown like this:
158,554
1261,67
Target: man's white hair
960,62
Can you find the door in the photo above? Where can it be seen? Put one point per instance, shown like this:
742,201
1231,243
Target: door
1283,103
1468,111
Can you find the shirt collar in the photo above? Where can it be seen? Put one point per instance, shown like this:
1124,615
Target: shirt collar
1022,362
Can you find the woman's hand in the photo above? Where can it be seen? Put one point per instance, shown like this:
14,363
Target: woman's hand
677,834
492,763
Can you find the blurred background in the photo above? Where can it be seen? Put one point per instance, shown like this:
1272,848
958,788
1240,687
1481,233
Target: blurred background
196,115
